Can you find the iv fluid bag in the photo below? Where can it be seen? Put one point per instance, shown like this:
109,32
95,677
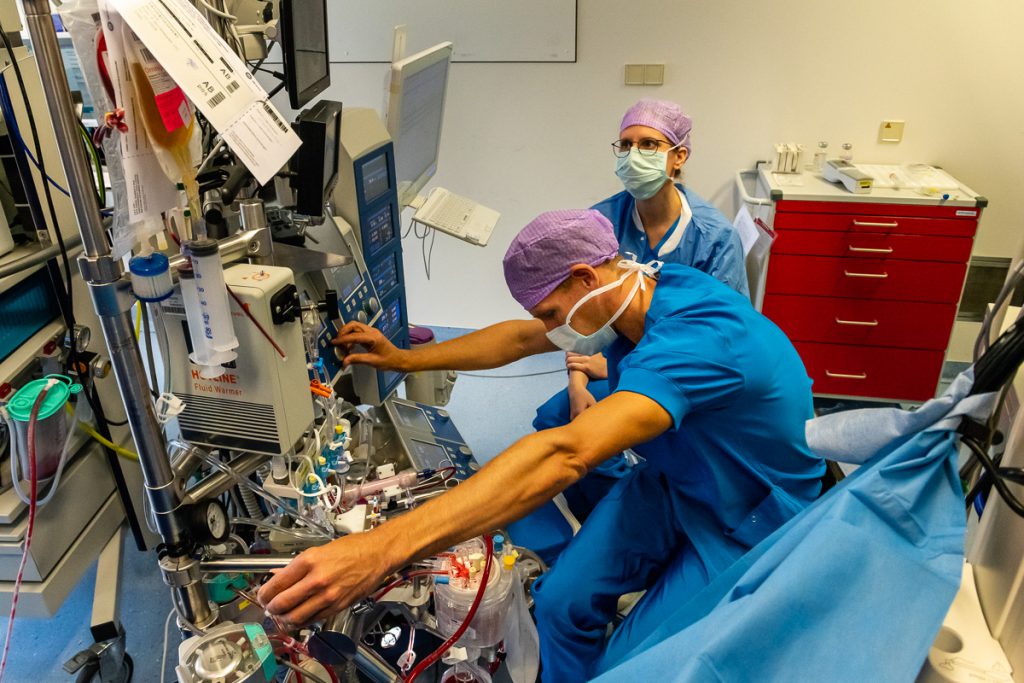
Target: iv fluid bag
166,114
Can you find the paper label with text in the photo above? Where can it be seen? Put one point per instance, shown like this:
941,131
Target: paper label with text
215,79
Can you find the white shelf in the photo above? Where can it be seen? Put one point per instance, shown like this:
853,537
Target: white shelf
808,186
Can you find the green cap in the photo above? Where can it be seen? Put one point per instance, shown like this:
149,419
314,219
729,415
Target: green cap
221,585
20,405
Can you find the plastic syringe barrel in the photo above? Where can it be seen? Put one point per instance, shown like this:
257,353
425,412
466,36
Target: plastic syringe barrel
214,325
402,479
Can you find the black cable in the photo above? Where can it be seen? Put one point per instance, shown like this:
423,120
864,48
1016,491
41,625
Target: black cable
1012,474
95,169
93,397
154,390
276,74
42,168
998,481
257,65
1000,361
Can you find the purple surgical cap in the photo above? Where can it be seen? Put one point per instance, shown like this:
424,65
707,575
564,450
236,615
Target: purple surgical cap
665,117
540,256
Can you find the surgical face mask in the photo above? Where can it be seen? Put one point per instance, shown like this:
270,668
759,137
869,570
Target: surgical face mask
568,339
642,175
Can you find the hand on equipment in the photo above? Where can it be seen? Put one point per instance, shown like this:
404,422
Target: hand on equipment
595,367
324,580
380,353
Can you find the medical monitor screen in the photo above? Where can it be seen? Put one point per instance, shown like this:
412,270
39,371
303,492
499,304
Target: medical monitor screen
428,454
307,67
346,280
411,417
375,178
25,308
415,117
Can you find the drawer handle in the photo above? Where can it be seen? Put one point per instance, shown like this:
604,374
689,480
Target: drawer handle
868,250
875,276
858,323
839,375
866,224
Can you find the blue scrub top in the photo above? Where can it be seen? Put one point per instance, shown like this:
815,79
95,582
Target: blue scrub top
738,396
709,242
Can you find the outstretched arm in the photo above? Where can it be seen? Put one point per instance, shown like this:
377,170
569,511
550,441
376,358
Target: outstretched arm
490,347
325,580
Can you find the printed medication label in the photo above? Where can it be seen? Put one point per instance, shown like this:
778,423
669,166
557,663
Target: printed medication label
215,79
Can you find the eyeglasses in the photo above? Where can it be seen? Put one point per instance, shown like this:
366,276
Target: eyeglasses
646,146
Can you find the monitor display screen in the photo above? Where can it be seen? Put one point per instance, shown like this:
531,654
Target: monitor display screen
307,64
385,275
416,115
412,417
428,454
25,308
375,178
346,280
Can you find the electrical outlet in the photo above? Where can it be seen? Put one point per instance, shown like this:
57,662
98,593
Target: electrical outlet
634,74
654,74
891,131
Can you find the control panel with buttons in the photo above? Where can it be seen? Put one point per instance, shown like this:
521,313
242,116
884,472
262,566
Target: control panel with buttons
378,213
429,437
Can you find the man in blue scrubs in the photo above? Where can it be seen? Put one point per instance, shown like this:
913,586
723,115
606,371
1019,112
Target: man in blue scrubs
654,218
709,392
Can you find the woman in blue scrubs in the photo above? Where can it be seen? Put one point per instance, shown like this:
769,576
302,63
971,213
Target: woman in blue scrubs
654,218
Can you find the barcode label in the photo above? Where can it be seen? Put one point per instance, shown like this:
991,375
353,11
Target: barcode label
270,112
146,54
232,87
216,99
172,309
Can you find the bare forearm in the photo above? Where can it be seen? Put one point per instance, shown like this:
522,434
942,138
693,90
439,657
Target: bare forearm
512,485
578,380
491,347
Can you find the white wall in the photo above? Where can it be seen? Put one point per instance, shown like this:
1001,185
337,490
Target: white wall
524,138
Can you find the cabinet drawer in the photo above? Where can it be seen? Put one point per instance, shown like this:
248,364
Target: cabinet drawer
878,224
864,278
912,210
860,322
873,245
872,372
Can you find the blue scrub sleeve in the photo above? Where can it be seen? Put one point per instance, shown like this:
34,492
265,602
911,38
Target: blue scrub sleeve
727,264
683,366
659,389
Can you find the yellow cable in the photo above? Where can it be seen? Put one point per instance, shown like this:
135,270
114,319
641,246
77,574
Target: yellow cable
123,452
138,320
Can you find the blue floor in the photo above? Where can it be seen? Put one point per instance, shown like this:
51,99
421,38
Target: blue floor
491,413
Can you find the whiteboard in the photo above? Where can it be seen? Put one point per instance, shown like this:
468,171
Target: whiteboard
482,30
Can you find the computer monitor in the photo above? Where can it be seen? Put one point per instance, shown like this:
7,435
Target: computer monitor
316,161
415,115
307,66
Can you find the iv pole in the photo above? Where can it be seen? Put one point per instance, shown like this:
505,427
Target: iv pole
111,296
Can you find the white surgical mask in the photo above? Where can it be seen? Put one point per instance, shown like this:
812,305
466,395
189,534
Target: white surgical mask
642,175
568,339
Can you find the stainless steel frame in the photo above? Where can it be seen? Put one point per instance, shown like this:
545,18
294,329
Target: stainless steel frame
110,294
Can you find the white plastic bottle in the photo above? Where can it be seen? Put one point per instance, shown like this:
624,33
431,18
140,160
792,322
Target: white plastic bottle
820,156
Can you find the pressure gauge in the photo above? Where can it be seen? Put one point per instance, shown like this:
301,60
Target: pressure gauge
209,521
